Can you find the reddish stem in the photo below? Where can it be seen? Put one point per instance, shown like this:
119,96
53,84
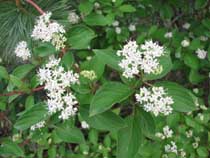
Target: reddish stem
63,51
22,92
35,6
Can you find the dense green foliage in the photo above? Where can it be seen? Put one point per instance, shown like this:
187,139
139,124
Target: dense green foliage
118,126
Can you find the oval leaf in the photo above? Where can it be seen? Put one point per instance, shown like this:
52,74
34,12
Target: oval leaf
108,95
184,101
31,116
105,121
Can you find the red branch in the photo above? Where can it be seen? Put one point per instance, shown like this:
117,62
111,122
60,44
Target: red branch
22,92
35,6
63,51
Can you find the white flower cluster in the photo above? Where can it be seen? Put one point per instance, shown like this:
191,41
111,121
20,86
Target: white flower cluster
22,51
143,57
49,31
203,38
73,17
132,27
89,74
155,100
171,148
189,133
168,35
38,125
117,28
186,26
84,125
57,81
167,133
201,53
196,143
185,43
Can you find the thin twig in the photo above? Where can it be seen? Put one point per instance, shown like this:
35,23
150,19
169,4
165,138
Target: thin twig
35,6
22,92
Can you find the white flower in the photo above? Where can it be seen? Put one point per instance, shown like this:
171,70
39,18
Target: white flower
73,17
186,26
168,35
201,116
143,57
115,23
203,107
89,74
189,133
97,5
132,27
185,43
155,100
182,153
48,31
195,145
195,90
22,51
171,148
118,30
160,135
203,38
167,132
57,81
84,125
201,53
85,152
178,55
38,125
197,139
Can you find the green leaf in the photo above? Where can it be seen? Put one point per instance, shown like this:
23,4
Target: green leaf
22,70
16,81
165,62
200,4
31,116
44,49
202,152
29,102
80,36
129,138
96,64
3,73
127,8
70,134
109,57
2,105
68,59
105,121
9,148
195,44
184,101
85,7
109,94
166,11
195,77
191,60
98,20
146,122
